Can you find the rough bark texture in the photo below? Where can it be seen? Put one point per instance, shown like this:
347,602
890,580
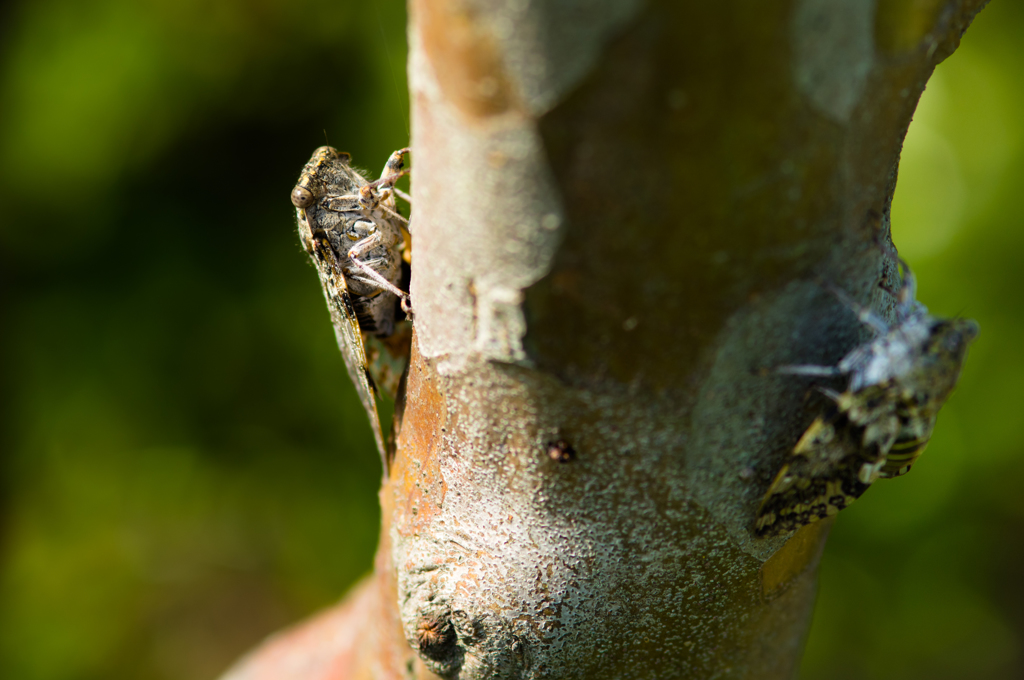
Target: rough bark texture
621,211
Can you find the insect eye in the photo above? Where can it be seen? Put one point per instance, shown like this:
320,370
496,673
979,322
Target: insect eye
301,197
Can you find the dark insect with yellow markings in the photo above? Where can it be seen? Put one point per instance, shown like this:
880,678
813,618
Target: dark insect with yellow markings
881,423
358,242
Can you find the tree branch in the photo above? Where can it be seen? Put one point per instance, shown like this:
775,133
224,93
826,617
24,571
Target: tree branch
621,212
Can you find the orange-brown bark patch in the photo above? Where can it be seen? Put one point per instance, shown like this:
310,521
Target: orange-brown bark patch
416,482
466,60
901,25
800,552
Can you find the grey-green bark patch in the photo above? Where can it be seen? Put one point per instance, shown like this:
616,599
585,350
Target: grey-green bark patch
555,570
741,422
497,235
833,50
549,47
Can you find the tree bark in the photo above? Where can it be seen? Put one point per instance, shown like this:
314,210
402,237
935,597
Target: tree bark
621,214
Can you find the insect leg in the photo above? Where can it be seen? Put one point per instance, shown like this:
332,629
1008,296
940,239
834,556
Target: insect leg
391,212
402,195
807,369
393,168
831,394
392,173
908,293
387,181
347,203
381,282
368,194
864,314
378,193
906,296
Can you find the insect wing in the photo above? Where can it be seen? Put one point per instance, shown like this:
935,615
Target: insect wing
825,474
349,336
387,358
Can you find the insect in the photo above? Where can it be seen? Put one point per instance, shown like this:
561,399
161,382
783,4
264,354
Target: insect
357,241
883,420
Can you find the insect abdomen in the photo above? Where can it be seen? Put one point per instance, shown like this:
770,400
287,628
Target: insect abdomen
375,312
903,454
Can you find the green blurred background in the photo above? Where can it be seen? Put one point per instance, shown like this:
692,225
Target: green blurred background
185,467
924,576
